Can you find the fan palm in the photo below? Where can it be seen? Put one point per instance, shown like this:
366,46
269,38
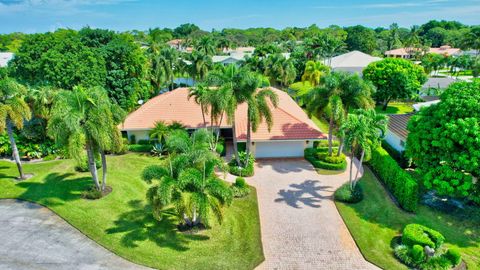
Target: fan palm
314,71
13,111
86,119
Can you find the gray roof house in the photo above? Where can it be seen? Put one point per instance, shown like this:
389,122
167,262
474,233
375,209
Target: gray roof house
354,61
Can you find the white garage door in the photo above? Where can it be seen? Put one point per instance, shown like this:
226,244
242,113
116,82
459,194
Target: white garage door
279,149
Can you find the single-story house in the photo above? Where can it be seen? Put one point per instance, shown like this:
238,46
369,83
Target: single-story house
397,132
5,57
228,59
291,133
408,53
354,61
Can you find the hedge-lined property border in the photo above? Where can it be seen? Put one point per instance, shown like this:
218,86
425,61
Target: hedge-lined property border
400,184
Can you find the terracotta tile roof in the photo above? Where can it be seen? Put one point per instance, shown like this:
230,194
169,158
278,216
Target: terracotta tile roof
290,121
398,124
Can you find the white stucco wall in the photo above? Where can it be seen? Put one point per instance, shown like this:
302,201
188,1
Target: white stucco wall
139,134
274,149
394,141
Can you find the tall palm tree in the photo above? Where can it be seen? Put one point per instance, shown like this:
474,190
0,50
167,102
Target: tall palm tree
280,70
363,131
187,180
205,45
13,112
164,63
200,65
314,71
259,110
86,119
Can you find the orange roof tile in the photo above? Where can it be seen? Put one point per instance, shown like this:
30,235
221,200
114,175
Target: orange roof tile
290,121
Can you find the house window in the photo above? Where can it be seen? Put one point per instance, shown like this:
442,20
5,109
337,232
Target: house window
402,143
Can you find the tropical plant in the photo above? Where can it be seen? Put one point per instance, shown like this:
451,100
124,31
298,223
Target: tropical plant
363,131
206,45
86,119
200,65
187,180
164,63
280,70
13,111
201,94
314,71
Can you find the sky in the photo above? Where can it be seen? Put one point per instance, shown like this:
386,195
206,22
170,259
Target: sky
31,16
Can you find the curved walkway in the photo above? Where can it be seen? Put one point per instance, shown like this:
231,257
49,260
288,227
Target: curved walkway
301,227
33,237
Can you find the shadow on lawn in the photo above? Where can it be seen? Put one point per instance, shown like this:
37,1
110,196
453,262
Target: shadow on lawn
139,225
293,197
7,176
55,189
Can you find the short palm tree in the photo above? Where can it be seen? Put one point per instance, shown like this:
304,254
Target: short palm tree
13,111
187,180
314,71
201,93
86,119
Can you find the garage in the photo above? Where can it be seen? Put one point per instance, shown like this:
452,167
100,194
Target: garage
274,149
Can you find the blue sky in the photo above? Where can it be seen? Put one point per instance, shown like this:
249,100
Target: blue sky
47,15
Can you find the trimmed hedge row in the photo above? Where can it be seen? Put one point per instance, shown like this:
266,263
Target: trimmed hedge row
416,234
145,148
399,182
310,155
400,157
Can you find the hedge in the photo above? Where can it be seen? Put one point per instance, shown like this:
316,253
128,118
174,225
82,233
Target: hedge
416,234
140,147
400,157
310,155
398,182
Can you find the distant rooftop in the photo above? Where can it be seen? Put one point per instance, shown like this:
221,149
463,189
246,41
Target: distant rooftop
440,82
445,50
5,57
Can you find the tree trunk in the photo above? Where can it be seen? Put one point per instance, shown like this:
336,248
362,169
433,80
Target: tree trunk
104,170
385,105
91,165
359,167
235,147
249,138
218,130
203,116
330,136
15,154
352,156
340,147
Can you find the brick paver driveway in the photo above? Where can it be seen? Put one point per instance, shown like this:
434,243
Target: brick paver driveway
32,237
301,227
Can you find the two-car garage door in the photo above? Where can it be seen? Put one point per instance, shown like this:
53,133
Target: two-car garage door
277,149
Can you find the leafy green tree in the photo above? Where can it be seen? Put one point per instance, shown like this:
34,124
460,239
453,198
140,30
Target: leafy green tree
361,38
280,70
164,63
86,119
13,111
443,142
433,62
187,180
472,39
265,50
185,30
314,71
206,45
59,59
200,65
393,40
394,78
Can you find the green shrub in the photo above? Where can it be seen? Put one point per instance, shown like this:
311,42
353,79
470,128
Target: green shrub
418,255
144,142
402,252
454,256
240,188
324,143
398,182
92,193
400,157
221,149
416,234
437,263
140,148
311,155
83,165
234,169
334,159
345,194
49,157
133,139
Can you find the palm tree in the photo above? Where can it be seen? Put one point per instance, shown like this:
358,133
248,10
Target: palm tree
13,112
280,70
164,63
205,45
363,131
86,119
258,110
187,180
314,71
200,66
201,93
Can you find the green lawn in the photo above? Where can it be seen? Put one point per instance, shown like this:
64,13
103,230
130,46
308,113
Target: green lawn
122,221
395,108
376,220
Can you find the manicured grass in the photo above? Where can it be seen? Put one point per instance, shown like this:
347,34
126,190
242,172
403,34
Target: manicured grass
376,220
395,108
122,221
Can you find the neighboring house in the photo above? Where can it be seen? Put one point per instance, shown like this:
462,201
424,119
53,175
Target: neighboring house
5,57
397,132
228,59
291,133
434,86
408,53
354,61
179,45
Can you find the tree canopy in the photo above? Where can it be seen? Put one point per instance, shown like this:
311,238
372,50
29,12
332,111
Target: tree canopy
444,142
